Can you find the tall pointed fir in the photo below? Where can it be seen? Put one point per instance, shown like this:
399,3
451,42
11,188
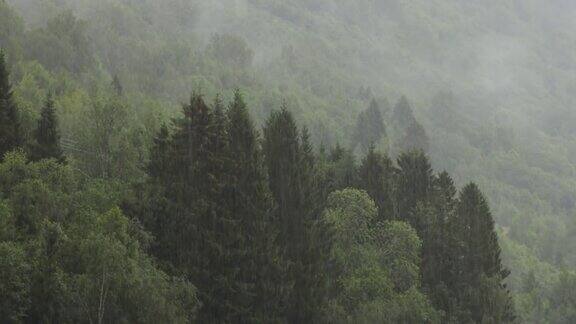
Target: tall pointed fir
290,164
414,185
261,267
376,176
150,202
46,135
440,254
483,291
200,234
10,129
369,127
409,133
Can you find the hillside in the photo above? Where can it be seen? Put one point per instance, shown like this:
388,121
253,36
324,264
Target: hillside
491,82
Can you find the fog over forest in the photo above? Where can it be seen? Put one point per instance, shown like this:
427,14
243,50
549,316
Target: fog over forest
288,161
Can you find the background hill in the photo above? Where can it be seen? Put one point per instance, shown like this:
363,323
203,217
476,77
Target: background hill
492,82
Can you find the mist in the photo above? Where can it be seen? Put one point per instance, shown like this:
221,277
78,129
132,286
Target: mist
483,90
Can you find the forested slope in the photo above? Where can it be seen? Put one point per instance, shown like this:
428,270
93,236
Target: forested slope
488,90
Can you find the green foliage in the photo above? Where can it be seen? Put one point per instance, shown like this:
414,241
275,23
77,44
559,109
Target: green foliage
231,51
295,187
369,128
262,265
61,45
481,265
70,259
14,282
208,203
378,275
514,136
376,176
47,135
10,132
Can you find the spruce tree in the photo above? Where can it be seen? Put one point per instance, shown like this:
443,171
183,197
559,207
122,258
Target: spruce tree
291,167
10,129
402,116
199,235
47,136
410,134
481,272
376,176
440,254
369,127
415,184
261,264
414,137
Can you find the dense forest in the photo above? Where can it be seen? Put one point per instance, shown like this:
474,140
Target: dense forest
263,161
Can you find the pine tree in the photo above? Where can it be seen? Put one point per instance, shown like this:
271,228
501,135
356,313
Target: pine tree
376,176
481,265
198,234
415,184
440,255
414,138
410,134
403,115
10,129
261,265
369,127
291,167
47,136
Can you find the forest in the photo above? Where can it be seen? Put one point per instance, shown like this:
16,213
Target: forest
296,161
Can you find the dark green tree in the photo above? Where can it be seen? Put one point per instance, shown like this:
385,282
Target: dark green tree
47,136
340,169
261,266
482,274
440,253
198,235
10,130
414,185
303,236
376,176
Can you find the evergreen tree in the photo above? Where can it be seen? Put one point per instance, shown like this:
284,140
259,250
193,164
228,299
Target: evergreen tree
200,236
403,115
415,184
376,176
410,134
261,265
446,239
47,136
369,127
10,130
440,254
291,166
481,270
414,138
